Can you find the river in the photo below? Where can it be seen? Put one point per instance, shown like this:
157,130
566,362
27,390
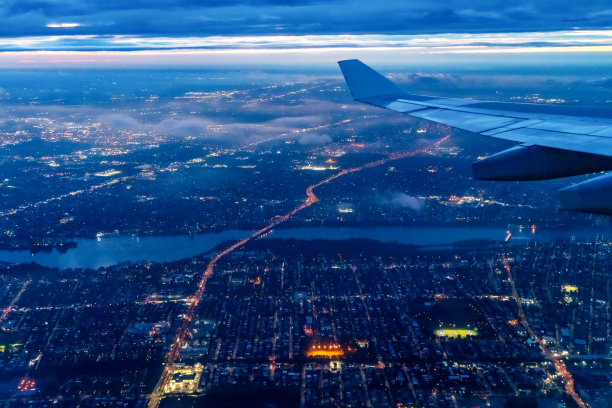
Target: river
111,250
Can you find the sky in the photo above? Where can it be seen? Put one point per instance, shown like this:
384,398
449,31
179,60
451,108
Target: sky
266,17
136,32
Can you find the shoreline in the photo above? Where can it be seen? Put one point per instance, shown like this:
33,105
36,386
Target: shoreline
116,249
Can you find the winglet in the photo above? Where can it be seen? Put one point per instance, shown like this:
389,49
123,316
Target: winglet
364,82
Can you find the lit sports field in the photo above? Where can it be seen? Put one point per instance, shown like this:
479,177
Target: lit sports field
454,333
452,318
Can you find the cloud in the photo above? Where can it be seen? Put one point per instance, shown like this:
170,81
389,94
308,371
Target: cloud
314,139
185,127
308,112
119,121
271,17
223,121
235,48
286,41
63,25
397,199
604,83
295,121
236,132
205,129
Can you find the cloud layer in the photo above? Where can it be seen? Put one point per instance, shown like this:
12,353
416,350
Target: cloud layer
235,133
242,44
300,50
314,139
257,17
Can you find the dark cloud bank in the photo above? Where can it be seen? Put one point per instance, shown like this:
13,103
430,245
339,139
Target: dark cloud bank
185,17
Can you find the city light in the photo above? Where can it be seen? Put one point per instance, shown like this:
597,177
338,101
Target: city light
184,379
26,384
325,350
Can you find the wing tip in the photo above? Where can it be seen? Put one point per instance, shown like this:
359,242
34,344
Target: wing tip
350,60
364,82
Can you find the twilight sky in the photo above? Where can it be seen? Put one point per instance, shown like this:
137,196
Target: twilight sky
223,31
231,17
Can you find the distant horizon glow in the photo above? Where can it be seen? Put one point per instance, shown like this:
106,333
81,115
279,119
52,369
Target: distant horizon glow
131,42
89,50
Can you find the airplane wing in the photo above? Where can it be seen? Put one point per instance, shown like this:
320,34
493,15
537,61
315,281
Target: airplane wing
552,142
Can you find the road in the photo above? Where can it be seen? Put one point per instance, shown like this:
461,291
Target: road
560,367
310,199
9,308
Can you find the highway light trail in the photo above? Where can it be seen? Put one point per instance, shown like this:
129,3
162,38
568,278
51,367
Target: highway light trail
311,198
560,367
10,307
61,197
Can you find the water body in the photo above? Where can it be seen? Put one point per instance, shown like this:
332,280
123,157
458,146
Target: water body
107,251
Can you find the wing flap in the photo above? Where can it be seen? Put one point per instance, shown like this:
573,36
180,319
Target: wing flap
569,126
472,122
404,107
